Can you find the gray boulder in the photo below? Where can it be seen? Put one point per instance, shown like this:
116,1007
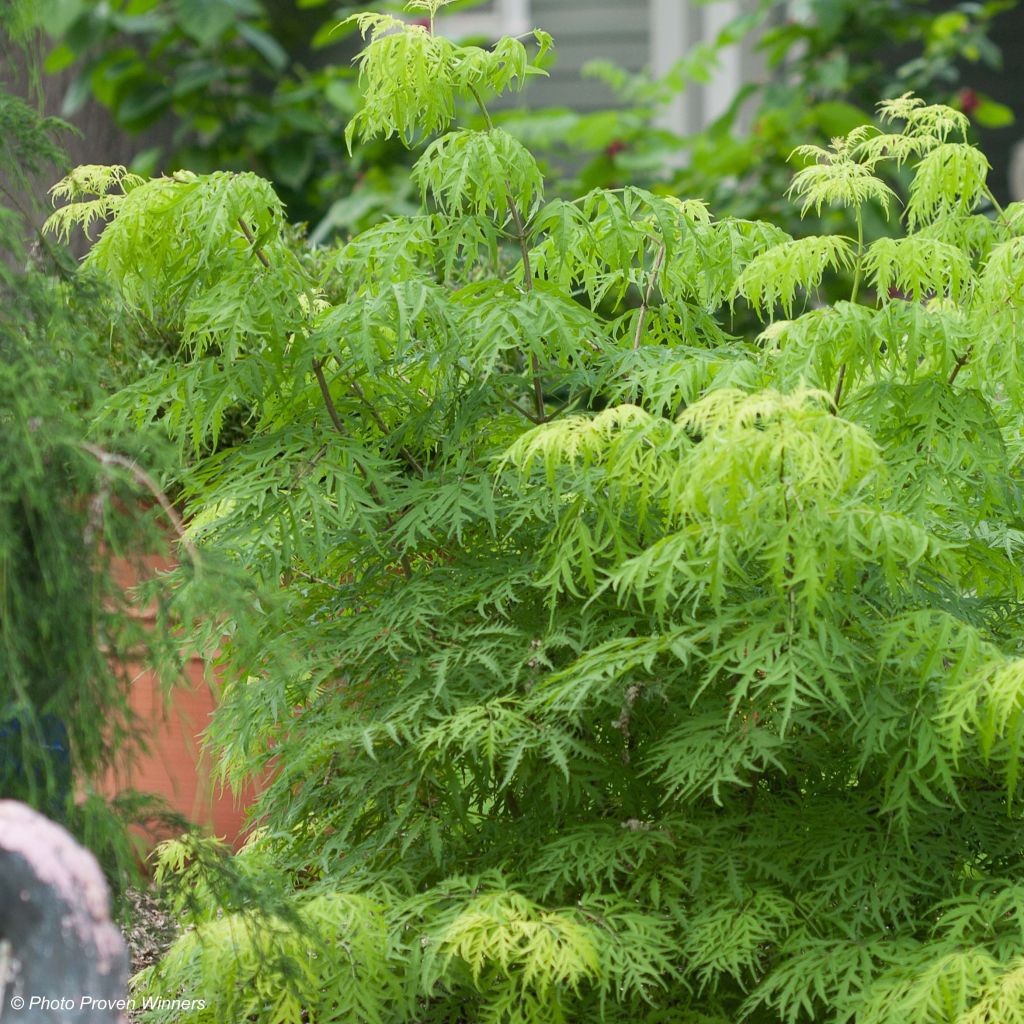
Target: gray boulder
61,957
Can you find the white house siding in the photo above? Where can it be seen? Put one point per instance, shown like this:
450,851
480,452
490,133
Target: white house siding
586,30
637,35
678,26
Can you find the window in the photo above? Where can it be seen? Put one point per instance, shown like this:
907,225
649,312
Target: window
492,18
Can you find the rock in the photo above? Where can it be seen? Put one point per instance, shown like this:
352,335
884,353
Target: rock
61,957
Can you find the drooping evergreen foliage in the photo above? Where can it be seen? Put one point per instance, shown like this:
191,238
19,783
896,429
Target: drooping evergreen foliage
611,665
78,514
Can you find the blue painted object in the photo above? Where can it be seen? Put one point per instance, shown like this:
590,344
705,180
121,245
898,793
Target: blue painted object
14,783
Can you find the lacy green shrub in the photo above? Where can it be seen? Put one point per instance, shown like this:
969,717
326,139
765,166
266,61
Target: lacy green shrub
609,665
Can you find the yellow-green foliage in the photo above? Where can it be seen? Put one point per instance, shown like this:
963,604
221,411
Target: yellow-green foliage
615,660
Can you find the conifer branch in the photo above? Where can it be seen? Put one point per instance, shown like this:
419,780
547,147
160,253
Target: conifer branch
57,264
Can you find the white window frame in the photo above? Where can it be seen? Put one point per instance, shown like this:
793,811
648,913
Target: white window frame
506,18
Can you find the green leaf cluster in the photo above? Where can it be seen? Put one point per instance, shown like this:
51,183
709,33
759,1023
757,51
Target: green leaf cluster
611,661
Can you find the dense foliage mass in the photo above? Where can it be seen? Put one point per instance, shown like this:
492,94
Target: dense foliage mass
609,665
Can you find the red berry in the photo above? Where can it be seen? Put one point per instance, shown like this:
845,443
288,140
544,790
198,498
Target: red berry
968,101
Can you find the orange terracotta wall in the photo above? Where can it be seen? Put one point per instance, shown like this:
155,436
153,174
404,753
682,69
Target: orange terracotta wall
175,766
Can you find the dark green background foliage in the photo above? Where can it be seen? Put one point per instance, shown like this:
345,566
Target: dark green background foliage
613,661
227,84
267,86
826,65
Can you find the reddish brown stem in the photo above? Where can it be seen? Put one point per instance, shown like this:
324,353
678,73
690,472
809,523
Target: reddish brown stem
332,409
251,239
838,393
961,362
652,283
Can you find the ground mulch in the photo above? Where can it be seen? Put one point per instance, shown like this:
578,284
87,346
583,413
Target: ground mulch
148,930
